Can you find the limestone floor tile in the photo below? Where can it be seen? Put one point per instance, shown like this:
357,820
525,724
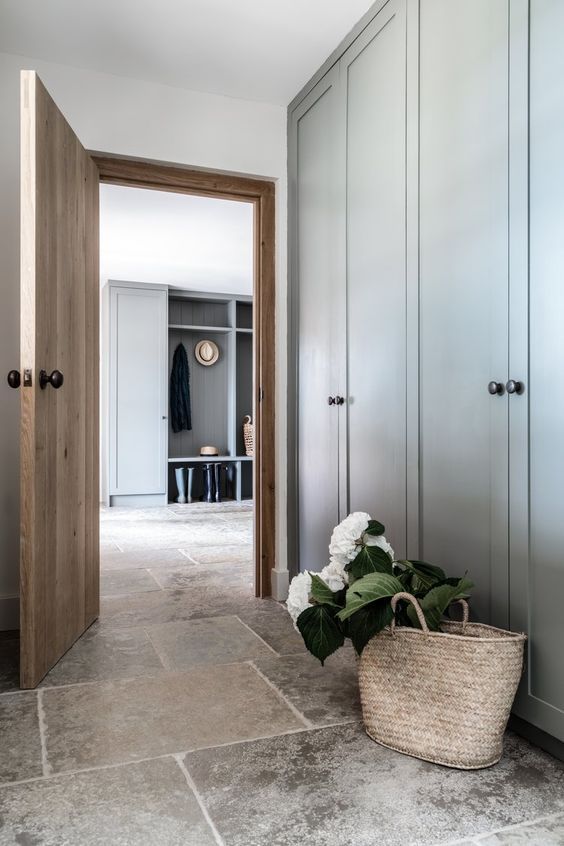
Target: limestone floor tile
9,664
141,559
220,554
336,786
20,742
143,804
101,655
324,695
267,618
189,575
119,582
549,832
219,640
122,721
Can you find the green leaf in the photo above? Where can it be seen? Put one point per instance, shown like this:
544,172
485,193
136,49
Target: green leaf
370,559
374,528
368,621
425,575
322,594
321,631
436,601
370,588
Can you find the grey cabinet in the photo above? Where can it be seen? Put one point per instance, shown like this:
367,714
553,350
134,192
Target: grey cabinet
462,477
347,151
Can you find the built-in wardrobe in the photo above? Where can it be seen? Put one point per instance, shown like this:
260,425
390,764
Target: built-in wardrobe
143,325
426,213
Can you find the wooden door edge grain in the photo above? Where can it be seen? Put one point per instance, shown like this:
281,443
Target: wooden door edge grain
28,583
261,193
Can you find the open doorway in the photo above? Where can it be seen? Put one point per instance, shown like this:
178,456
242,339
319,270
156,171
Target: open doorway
177,391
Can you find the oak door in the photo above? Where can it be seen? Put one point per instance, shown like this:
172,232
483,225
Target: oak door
59,567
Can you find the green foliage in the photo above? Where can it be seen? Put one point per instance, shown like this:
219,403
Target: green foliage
375,528
322,594
420,576
370,559
367,590
368,621
320,630
436,601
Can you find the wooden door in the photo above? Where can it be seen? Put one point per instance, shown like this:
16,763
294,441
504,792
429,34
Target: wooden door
464,161
59,568
373,79
319,316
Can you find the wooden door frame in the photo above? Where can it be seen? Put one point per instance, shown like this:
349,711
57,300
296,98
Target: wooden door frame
136,173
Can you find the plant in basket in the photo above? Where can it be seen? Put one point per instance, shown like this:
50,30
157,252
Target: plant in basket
431,687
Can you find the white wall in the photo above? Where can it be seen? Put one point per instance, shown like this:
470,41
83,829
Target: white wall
123,116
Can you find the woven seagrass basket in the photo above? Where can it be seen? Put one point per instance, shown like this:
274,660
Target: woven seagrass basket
249,435
441,696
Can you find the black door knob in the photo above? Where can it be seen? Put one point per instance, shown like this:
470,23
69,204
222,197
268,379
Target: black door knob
495,388
55,379
514,387
331,400
14,379
339,400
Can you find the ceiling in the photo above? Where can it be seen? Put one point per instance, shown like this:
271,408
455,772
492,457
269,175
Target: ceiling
198,243
253,49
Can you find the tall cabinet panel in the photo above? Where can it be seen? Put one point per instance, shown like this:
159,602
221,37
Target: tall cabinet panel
138,395
464,294
373,75
318,273
537,585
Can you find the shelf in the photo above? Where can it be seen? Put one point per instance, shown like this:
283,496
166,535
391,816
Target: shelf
203,459
221,329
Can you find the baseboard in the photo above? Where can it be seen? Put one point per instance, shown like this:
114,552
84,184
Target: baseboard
9,613
138,500
537,736
280,580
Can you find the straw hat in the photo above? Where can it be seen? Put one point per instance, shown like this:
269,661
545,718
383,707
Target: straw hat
206,352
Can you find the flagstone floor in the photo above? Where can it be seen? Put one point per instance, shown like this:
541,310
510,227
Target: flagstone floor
191,714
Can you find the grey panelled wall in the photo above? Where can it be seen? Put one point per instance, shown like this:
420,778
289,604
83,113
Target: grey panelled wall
317,185
463,154
458,287
537,590
373,74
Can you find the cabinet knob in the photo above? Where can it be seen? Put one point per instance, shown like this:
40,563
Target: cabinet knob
55,378
331,400
496,388
514,387
339,400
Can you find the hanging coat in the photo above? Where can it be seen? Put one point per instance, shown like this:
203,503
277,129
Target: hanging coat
180,410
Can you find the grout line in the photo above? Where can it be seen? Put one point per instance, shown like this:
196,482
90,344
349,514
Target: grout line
189,557
307,723
479,838
191,784
164,661
152,575
42,719
252,631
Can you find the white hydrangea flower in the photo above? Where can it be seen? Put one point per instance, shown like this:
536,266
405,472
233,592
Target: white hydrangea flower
298,595
343,546
334,576
380,540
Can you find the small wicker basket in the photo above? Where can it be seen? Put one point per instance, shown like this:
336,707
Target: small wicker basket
441,696
249,435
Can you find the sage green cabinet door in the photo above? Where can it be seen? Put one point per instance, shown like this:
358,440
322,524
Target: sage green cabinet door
464,294
537,580
316,166
373,78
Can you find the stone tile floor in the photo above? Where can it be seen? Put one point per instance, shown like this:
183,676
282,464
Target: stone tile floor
191,714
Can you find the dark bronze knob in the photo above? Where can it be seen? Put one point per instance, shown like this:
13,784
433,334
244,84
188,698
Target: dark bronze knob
14,379
495,388
55,379
339,400
514,387
331,400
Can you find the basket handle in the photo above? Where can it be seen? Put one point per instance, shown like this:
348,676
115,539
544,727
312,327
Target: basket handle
465,611
247,418
410,598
